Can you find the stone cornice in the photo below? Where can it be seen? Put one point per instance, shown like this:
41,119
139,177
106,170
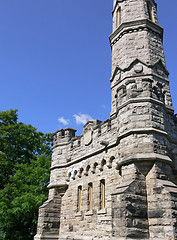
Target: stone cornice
134,62
138,25
153,157
60,184
144,76
145,131
146,99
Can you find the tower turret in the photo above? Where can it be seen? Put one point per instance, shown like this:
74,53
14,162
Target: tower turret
137,44
141,103
136,33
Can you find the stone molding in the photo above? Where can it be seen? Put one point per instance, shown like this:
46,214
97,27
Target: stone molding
58,184
134,26
134,62
111,145
153,157
146,99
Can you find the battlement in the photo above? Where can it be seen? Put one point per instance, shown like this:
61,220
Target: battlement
63,136
67,147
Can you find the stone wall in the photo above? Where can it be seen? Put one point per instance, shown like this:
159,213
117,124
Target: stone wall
97,222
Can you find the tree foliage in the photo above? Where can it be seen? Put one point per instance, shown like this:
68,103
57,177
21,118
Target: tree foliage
24,174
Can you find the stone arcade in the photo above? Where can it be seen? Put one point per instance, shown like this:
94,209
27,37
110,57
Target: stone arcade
118,179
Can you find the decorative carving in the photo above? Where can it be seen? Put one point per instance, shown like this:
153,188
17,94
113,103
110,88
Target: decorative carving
138,69
88,130
121,91
118,75
159,71
158,92
88,136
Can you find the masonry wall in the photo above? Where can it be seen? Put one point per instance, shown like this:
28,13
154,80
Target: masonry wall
98,222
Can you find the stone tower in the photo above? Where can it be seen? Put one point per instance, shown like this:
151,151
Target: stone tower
118,179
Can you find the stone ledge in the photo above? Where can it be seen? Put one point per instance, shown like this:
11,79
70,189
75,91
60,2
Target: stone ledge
102,211
78,214
46,203
144,99
122,187
146,130
46,236
61,184
141,75
146,157
89,213
134,26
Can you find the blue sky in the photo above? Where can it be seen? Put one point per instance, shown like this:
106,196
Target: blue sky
55,59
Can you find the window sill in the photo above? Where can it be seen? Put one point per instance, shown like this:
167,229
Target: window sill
89,213
102,211
78,214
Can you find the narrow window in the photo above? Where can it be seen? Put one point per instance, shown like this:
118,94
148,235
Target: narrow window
90,196
149,7
79,201
118,17
102,193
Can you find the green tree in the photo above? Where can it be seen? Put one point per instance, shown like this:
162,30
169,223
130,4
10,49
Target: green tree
24,174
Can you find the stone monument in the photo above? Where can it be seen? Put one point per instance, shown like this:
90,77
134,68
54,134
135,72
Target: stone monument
118,179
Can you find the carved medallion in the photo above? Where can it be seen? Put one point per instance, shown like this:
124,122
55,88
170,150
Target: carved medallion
88,136
138,68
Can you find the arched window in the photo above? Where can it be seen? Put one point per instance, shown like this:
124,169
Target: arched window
102,194
90,194
79,198
150,13
118,21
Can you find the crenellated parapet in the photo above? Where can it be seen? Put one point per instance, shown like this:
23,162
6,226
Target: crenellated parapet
63,136
68,148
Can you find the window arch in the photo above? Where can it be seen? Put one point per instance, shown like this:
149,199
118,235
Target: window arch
118,17
150,12
80,172
87,170
103,162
